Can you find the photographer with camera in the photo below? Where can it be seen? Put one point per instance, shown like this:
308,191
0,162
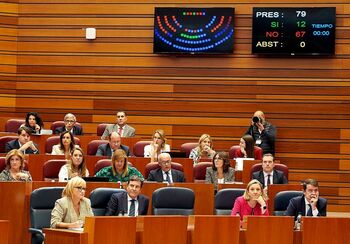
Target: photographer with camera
263,133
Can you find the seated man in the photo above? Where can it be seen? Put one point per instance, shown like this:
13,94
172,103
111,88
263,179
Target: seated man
309,204
114,144
70,125
131,202
23,143
165,173
268,175
121,127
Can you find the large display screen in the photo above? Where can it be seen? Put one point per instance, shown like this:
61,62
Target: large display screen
193,30
294,31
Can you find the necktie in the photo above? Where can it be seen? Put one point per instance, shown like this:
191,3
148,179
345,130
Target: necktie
120,131
132,208
268,180
309,212
168,177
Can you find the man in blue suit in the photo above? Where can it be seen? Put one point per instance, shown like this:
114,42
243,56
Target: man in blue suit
309,204
129,203
113,144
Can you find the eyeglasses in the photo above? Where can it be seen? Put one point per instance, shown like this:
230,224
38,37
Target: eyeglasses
80,188
70,121
165,162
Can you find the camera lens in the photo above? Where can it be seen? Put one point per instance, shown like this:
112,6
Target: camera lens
256,119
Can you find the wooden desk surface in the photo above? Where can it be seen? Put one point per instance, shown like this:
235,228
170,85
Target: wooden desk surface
207,222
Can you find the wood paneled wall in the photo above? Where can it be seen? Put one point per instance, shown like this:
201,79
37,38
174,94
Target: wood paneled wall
56,70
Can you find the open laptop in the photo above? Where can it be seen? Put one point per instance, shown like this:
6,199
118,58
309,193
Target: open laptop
177,154
96,179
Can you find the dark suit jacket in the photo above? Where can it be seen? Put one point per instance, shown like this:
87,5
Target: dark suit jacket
157,175
278,177
118,204
77,130
105,150
14,144
297,205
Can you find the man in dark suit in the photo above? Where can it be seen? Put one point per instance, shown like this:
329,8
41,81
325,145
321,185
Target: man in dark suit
165,172
129,203
268,175
113,144
121,127
309,204
23,143
70,125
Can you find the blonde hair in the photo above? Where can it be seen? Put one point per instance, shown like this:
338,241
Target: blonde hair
10,154
81,168
120,154
72,183
161,134
201,139
252,182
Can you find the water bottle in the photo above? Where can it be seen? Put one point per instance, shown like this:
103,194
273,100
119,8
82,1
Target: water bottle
298,222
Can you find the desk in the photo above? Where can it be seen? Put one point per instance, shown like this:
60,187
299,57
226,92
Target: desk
14,207
327,230
215,230
5,230
60,236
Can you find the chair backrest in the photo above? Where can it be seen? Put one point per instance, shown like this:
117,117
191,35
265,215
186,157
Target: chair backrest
224,200
12,125
199,171
4,140
2,164
100,197
173,201
282,200
100,164
258,152
42,201
187,147
280,167
138,148
51,168
93,146
155,165
54,140
101,128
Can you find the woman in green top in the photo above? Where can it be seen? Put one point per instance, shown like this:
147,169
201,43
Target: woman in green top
119,169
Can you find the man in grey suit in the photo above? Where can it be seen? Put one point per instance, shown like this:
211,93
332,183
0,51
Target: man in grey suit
113,144
268,175
121,127
165,173
129,203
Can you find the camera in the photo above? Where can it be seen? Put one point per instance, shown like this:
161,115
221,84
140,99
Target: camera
256,119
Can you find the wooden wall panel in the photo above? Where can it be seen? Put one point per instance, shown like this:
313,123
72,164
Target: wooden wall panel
46,65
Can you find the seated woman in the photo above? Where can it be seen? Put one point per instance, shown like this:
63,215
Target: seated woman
119,171
14,167
246,145
157,146
33,122
253,201
204,149
221,171
75,166
70,210
66,146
